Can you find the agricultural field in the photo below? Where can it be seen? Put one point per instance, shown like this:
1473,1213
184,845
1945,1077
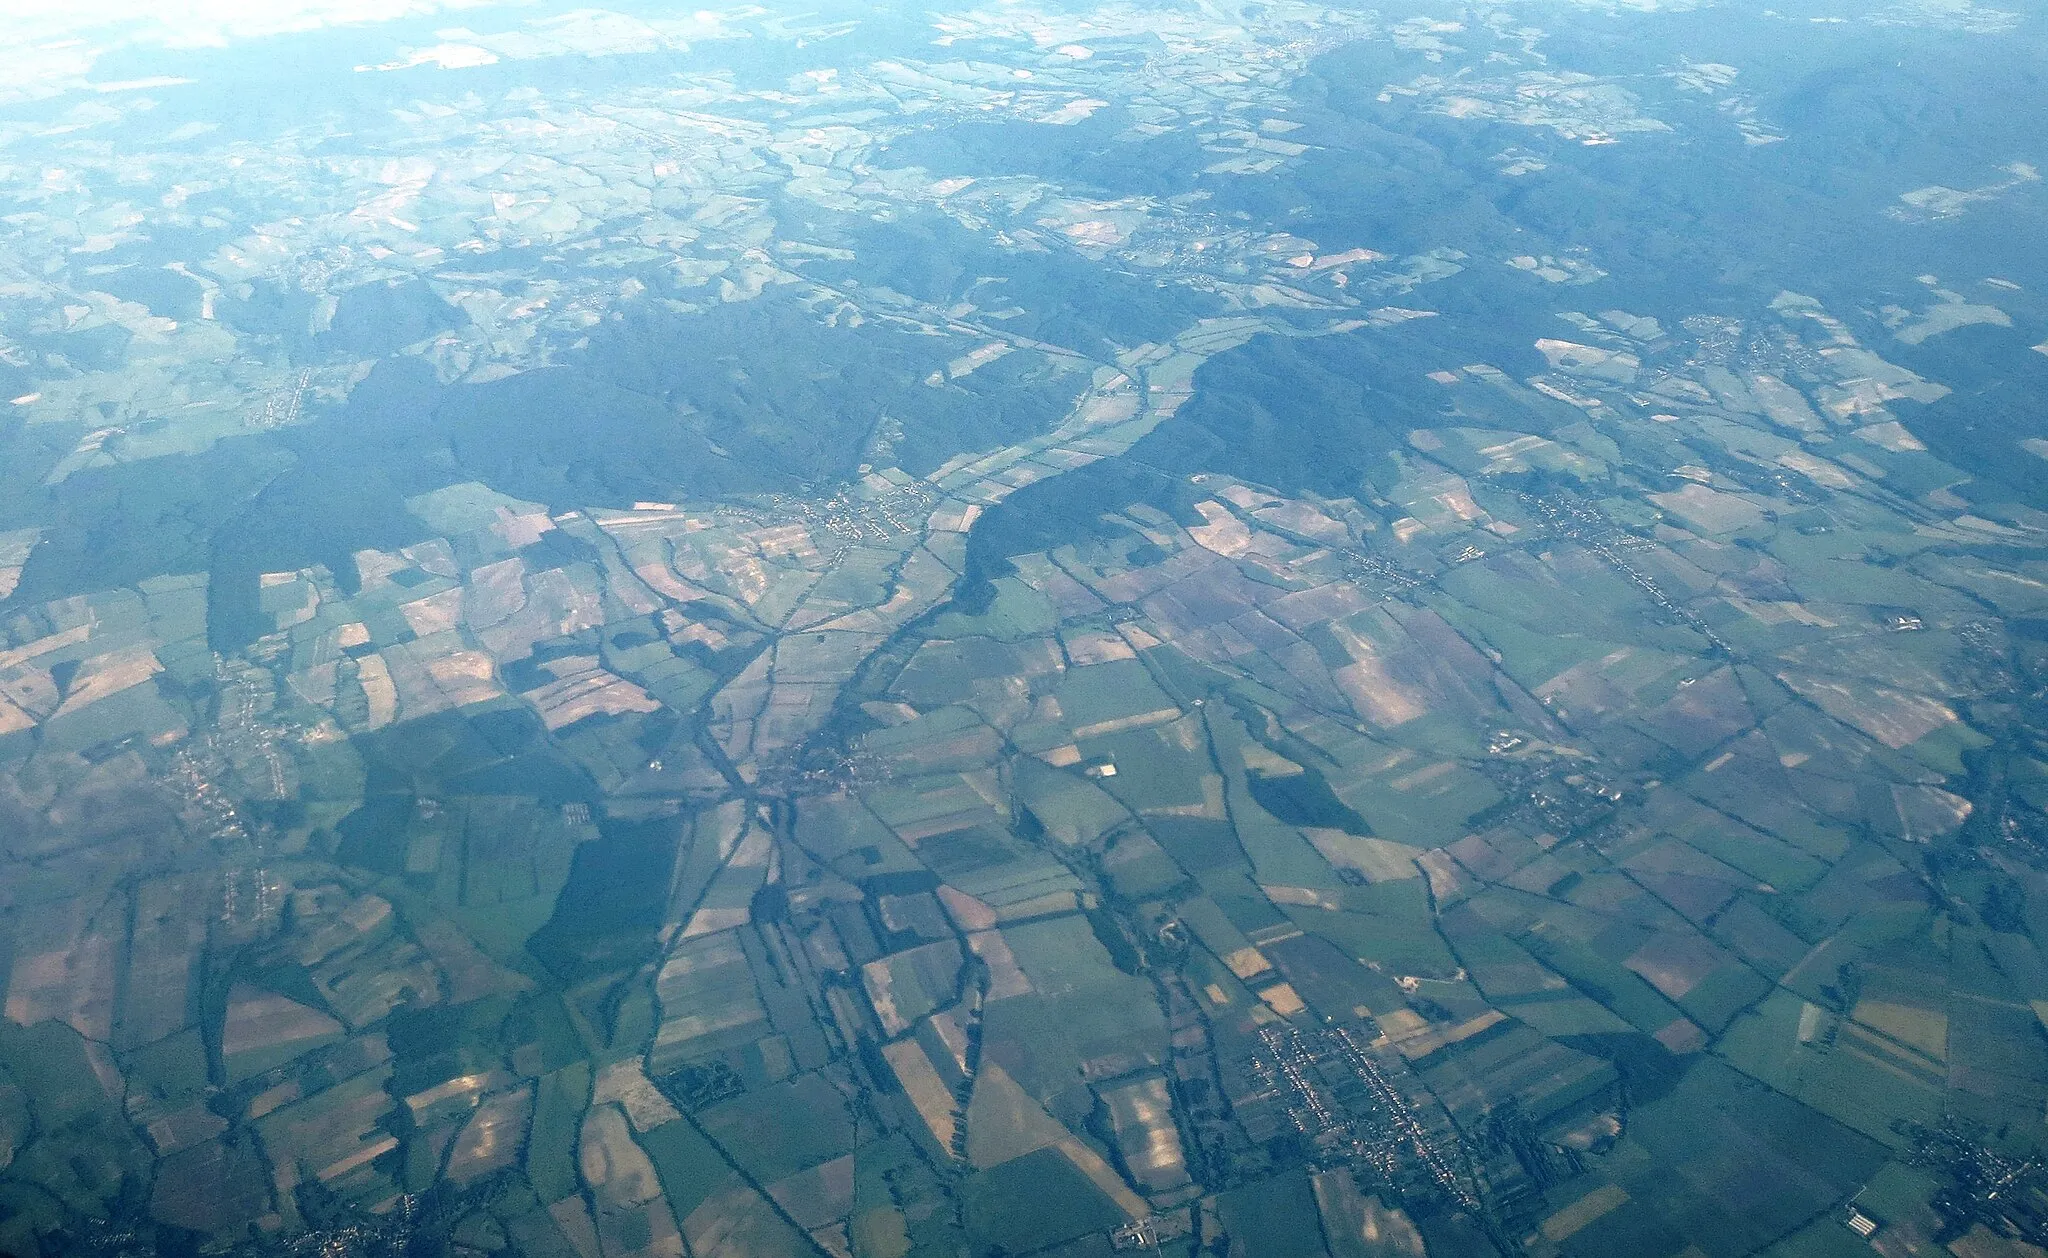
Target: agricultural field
1025,630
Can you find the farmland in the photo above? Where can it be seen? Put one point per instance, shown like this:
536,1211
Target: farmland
1027,630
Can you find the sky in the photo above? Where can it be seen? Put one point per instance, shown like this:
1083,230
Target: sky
52,47
190,23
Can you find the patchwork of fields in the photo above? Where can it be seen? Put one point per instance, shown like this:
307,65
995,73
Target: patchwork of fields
1222,629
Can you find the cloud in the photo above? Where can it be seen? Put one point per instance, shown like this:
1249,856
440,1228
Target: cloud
203,23
50,48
